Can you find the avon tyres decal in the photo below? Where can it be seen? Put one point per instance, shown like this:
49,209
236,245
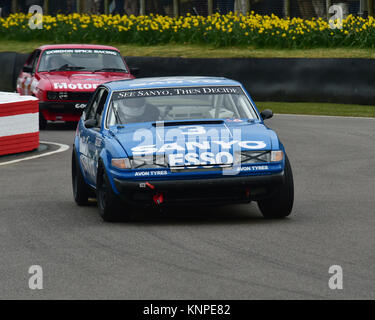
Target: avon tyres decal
176,92
158,173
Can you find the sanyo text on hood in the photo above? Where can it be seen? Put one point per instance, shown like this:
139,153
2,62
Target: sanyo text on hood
212,138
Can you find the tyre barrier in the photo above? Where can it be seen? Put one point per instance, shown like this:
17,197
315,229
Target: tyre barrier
19,123
347,81
7,62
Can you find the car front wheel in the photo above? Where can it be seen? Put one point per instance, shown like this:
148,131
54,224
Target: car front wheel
111,208
280,205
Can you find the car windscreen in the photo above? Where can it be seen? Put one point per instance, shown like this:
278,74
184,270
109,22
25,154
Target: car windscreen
82,59
176,104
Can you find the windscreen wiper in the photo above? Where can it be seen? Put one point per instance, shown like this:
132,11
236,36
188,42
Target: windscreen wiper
111,69
67,67
175,123
117,116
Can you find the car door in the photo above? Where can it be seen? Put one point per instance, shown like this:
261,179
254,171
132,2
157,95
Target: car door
25,74
25,80
93,134
34,73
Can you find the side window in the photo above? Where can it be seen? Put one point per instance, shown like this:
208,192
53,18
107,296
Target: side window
111,118
35,61
101,104
31,59
93,106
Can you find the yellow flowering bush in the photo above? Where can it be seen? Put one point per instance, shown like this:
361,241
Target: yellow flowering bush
220,30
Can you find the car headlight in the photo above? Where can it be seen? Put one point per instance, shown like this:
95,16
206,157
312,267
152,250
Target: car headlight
277,156
140,162
121,163
148,162
249,157
57,95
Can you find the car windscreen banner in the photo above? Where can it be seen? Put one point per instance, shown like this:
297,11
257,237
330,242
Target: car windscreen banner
188,91
81,51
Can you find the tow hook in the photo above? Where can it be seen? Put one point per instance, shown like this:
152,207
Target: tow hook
158,198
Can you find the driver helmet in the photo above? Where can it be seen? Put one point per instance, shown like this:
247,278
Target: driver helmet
133,108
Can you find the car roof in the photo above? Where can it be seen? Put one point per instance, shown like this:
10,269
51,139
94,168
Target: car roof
166,82
76,46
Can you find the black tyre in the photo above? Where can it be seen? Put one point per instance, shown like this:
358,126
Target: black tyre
111,208
280,205
42,122
81,191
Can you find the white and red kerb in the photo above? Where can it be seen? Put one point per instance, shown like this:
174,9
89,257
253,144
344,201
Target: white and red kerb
19,123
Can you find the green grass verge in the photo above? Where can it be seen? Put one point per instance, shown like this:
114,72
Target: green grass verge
327,109
207,51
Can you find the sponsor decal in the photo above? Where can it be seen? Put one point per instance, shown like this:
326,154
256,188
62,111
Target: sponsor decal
34,85
88,165
191,146
98,142
176,92
203,159
159,173
27,86
81,51
151,173
195,147
75,86
234,120
254,168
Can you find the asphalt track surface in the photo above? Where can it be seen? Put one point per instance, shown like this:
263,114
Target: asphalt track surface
215,253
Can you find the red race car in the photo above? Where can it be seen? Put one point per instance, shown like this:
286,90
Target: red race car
63,77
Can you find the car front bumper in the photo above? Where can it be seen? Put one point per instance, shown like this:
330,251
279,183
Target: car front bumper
239,189
64,111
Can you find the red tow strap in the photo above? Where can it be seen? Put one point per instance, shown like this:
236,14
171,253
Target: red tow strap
150,186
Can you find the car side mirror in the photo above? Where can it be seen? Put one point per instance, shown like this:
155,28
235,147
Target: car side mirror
27,69
91,123
134,71
266,114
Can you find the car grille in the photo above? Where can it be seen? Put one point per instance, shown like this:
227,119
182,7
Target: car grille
79,96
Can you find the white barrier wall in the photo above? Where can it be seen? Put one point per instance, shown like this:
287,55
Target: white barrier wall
19,123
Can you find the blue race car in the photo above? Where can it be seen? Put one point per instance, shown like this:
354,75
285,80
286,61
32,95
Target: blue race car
178,141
